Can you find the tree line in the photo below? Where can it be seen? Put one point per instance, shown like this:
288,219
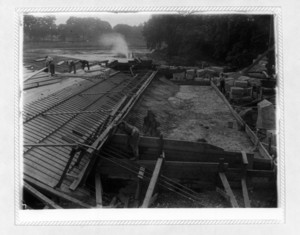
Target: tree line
234,39
76,29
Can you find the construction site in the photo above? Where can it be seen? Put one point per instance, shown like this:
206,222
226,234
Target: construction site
199,146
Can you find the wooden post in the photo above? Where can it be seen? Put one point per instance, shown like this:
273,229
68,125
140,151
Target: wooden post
98,187
245,193
244,178
138,187
228,189
153,183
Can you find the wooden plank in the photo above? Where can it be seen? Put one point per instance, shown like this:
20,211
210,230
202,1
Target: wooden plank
154,142
153,182
262,150
234,113
245,193
251,134
254,173
39,71
261,173
233,158
77,181
56,192
105,134
41,196
179,170
228,189
98,187
137,194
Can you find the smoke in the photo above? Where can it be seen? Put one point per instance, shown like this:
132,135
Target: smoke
116,42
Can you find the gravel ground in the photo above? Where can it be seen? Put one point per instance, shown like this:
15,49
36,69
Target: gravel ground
193,113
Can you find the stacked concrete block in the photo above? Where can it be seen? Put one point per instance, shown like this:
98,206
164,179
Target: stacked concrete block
190,74
242,84
216,69
200,72
179,76
243,78
236,92
248,91
268,91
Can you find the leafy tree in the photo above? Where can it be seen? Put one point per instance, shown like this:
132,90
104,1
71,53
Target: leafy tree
38,28
86,29
234,39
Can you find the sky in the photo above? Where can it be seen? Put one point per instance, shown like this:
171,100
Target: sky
132,19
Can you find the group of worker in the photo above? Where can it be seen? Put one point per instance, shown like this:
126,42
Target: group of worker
50,65
150,128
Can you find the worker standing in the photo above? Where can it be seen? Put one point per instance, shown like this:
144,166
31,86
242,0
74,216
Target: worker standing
84,63
71,65
150,125
133,138
50,65
222,83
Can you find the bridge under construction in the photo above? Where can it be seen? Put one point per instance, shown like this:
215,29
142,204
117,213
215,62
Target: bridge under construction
74,156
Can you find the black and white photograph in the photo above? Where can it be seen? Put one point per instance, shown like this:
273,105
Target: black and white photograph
149,117
153,110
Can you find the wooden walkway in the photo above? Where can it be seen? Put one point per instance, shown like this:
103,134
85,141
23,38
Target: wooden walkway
66,118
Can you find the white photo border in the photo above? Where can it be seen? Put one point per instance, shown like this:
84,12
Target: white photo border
150,216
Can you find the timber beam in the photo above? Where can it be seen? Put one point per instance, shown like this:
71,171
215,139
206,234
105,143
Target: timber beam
47,201
172,169
228,190
176,150
244,180
118,114
98,187
153,182
56,192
